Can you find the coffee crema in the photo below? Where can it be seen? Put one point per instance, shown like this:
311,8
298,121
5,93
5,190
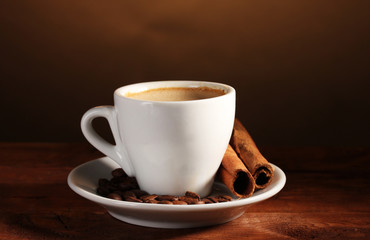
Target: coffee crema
176,94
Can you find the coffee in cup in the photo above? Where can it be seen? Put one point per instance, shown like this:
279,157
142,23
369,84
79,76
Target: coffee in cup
176,94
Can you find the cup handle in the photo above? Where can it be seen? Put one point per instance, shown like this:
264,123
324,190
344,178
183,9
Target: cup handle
116,152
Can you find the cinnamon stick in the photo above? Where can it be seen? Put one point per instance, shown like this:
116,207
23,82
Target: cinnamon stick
235,175
248,152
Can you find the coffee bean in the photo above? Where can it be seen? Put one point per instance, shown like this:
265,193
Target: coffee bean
188,200
103,191
112,187
148,197
103,182
206,200
213,199
192,195
178,202
126,181
119,192
125,187
116,180
133,199
165,202
224,198
118,172
114,196
132,180
151,201
128,194
167,198
138,193
221,200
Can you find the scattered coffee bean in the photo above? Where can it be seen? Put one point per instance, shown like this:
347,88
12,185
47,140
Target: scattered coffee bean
225,197
116,180
150,201
118,172
188,200
103,182
133,199
119,192
221,199
114,196
128,194
192,195
123,187
206,200
103,191
148,197
165,202
138,193
213,199
112,187
167,198
178,202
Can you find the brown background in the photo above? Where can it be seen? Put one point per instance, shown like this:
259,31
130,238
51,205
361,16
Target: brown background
301,68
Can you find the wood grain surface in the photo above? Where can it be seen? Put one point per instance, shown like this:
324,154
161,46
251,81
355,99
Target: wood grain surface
326,197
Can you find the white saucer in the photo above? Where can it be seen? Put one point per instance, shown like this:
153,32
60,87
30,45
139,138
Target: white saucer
84,181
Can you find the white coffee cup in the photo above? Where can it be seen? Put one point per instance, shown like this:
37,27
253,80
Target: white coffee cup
170,147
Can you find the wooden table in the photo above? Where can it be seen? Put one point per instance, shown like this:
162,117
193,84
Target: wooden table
326,197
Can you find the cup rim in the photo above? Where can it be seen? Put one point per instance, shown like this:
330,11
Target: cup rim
144,86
